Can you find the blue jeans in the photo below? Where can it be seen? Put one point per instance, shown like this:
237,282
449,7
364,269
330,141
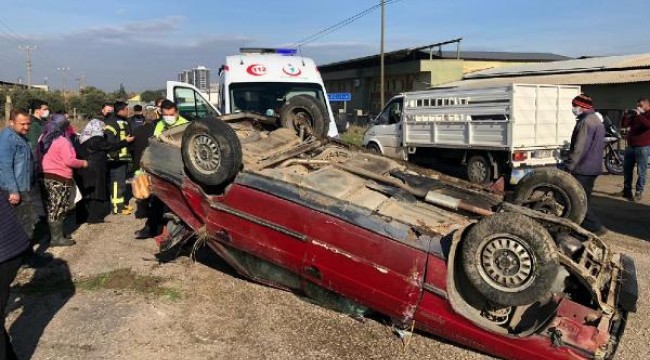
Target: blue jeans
635,155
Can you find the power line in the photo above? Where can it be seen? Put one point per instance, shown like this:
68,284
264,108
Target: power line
324,32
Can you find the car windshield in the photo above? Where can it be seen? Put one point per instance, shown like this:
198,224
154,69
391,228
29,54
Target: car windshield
268,97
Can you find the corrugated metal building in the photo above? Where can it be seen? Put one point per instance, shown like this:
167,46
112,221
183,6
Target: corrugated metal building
413,69
615,82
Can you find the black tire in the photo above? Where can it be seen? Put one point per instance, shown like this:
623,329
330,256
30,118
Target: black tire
510,259
374,148
613,161
552,191
211,152
479,170
307,111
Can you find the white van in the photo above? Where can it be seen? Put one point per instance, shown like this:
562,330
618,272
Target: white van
495,131
258,80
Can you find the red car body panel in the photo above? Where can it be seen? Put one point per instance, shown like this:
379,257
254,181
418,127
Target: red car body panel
406,281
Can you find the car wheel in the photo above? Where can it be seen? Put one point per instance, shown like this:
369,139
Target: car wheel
211,152
553,191
479,170
374,148
305,113
510,259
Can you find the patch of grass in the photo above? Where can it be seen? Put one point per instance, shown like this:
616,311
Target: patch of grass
354,135
126,279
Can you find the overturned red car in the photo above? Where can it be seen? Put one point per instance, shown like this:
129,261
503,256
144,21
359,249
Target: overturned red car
364,233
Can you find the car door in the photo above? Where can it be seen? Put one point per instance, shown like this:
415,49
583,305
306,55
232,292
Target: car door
368,268
388,130
191,103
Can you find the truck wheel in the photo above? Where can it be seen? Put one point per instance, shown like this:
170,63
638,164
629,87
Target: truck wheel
211,152
510,259
479,170
374,148
307,112
552,191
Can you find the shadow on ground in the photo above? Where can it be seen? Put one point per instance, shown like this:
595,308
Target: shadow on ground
622,216
39,300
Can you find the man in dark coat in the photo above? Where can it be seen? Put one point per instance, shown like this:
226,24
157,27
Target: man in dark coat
13,244
585,161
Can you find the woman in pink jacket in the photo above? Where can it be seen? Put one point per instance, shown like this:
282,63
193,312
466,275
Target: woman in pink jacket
58,161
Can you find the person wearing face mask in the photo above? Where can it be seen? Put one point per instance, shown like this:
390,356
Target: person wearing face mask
170,118
117,129
585,159
637,151
152,208
106,111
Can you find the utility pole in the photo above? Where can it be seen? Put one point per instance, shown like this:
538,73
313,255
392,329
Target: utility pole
64,71
382,73
28,51
80,79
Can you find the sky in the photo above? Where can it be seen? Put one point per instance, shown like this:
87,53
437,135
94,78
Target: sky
143,43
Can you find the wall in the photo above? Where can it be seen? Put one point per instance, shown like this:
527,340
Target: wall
617,96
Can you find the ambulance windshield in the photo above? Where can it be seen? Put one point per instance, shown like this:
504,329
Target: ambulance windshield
267,98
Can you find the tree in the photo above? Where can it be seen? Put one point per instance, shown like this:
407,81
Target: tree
121,93
148,96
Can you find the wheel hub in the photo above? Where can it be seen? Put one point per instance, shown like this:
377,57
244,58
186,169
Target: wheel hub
506,263
206,154
550,199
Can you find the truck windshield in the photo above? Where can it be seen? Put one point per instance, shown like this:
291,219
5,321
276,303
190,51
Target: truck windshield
268,97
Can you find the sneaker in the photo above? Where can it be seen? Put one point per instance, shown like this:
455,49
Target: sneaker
626,195
638,196
143,233
124,211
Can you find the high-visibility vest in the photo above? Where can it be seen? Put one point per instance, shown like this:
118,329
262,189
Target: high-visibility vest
122,154
162,125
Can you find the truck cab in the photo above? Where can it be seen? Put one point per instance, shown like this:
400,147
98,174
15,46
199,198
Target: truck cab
256,80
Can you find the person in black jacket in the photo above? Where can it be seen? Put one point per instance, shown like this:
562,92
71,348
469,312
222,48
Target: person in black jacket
13,245
93,180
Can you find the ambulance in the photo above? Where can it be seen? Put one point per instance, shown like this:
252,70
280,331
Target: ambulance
259,80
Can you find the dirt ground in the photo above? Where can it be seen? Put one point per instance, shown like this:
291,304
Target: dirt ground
109,298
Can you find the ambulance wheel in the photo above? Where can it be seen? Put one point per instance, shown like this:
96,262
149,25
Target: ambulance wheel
211,152
305,113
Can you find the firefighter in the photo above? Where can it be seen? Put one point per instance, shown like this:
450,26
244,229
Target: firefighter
116,129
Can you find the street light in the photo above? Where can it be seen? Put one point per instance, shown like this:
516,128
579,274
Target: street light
64,71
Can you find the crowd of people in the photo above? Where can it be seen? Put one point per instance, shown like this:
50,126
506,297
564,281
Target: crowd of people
47,170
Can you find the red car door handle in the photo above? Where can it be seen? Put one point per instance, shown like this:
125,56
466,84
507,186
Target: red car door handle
312,271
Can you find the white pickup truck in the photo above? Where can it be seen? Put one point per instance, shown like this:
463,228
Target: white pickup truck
256,80
496,131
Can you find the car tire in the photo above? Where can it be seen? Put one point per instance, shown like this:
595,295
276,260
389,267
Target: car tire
211,152
510,259
559,193
303,110
479,170
374,148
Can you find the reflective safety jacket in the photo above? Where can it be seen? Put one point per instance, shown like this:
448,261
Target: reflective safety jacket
117,129
162,125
